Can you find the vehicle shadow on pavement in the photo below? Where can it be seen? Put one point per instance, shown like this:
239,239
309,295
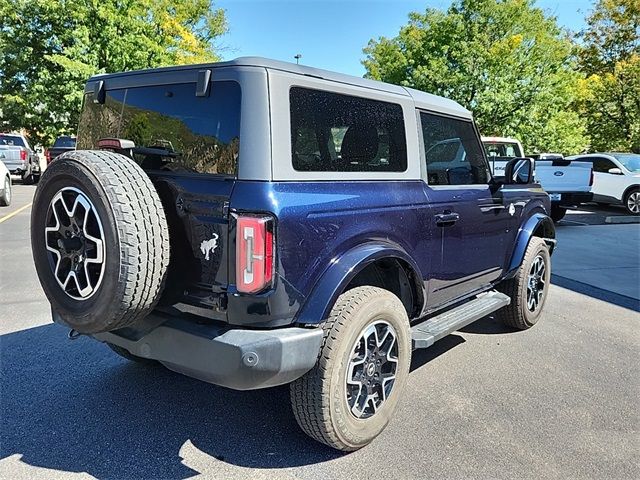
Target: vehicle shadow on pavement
76,406
423,356
488,326
597,293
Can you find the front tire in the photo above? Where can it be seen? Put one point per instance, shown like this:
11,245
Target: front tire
632,202
350,395
528,289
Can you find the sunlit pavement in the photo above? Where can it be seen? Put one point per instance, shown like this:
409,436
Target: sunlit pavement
557,401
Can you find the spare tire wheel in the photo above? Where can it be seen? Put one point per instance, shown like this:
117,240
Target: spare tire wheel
99,239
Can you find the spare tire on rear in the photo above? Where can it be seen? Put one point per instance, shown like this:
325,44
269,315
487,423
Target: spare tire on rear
99,239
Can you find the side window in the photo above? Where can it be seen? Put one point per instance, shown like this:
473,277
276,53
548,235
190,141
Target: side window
452,152
602,165
331,132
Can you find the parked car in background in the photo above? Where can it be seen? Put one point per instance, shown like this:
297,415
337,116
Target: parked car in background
616,178
20,158
62,144
567,182
5,183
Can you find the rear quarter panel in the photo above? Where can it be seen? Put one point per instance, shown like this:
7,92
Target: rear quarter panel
316,225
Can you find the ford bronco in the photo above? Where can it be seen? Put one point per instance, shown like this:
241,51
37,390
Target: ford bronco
255,223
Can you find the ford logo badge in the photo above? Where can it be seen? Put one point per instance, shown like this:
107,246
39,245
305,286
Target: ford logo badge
558,174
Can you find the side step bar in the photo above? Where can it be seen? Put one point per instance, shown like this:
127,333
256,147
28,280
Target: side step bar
433,329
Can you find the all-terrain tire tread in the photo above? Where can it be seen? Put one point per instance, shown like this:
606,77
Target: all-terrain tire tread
309,400
511,314
142,231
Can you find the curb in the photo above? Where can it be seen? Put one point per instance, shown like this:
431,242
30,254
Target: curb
619,219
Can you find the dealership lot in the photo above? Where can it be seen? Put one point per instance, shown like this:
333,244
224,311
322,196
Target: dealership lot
557,401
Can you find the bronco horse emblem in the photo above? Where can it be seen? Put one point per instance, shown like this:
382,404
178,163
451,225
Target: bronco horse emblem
209,246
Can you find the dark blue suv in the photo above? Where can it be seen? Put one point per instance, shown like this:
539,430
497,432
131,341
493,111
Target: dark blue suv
254,223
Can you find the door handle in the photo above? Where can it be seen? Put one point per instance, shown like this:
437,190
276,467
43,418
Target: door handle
447,219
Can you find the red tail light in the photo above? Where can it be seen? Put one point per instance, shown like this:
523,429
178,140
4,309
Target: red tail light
23,154
47,154
254,253
591,178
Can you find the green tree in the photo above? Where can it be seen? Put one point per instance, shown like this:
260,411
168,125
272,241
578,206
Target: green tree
505,60
48,49
610,57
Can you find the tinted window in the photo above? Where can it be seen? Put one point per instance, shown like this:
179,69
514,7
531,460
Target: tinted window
341,133
172,128
11,140
64,142
602,165
452,152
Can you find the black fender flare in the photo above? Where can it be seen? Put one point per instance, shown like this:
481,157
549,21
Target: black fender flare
344,269
535,223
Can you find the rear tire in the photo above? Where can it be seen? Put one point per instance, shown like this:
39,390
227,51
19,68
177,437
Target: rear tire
27,177
336,402
527,287
632,202
5,198
557,213
100,240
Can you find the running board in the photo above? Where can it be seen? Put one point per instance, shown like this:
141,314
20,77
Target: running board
430,331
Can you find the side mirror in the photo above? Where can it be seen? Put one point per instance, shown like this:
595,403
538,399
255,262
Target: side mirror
519,171
615,171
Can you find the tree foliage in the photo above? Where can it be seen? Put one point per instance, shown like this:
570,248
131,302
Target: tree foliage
48,49
505,60
610,57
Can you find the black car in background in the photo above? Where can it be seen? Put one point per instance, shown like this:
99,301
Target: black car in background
62,144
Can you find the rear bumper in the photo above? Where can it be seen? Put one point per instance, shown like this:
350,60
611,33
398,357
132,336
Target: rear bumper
16,168
236,358
571,199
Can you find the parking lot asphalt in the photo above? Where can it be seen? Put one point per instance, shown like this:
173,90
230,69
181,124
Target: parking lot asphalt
558,401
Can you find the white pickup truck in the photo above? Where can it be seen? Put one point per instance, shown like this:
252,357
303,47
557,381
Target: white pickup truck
567,182
19,157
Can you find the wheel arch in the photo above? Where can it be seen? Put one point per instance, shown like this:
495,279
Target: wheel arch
537,225
361,266
628,190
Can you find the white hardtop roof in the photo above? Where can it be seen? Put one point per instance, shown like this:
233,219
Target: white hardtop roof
422,100
500,139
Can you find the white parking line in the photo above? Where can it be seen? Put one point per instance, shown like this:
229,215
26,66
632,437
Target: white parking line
14,213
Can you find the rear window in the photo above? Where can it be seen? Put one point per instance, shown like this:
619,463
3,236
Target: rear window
502,149
64,142
172,128
331,132
14,140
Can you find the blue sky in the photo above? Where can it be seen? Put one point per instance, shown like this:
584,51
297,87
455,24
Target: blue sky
331,34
